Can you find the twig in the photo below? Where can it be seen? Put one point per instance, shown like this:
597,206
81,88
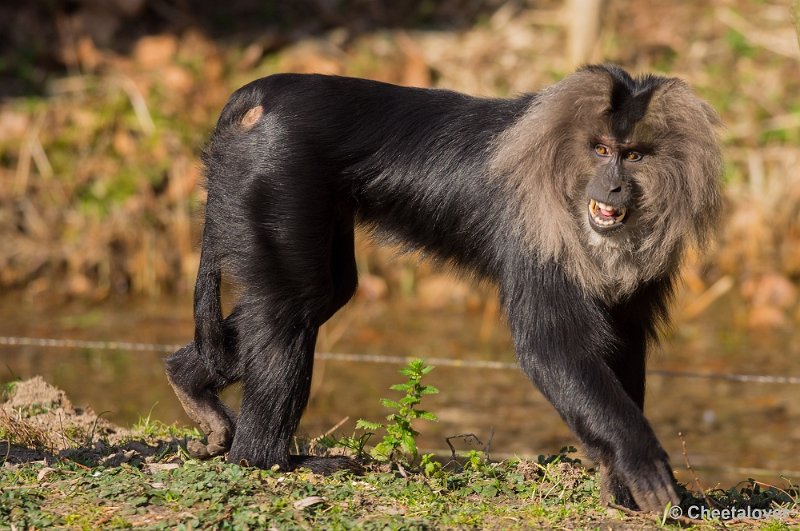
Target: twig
489,442
708,500
701,303
8,450
63,435
27,154
313,443
771,487
94,424
402,470
465,436
138,103
626,510
335,427
40,158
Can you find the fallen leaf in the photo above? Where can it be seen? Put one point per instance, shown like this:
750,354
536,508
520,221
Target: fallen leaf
308,502
158,467
44,472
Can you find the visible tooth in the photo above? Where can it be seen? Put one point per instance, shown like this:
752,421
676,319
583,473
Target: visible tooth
602,205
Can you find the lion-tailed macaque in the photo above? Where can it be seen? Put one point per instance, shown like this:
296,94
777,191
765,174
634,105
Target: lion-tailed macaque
577,202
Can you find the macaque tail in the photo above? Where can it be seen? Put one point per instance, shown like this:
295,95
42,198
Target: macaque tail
209,336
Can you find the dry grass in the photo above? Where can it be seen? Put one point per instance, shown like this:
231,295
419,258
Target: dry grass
17,431
99,179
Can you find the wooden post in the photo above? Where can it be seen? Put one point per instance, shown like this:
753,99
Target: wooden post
583,21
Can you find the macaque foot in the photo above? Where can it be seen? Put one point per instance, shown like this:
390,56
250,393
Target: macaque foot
649,488
215,419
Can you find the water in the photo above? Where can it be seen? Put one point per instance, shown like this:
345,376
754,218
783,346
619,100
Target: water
729,428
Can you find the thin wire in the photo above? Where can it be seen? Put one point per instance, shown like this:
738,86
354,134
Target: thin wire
379,358
401,360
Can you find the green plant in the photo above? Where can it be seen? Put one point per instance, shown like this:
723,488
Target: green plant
474,460
7,389
430,466
151,428
399,442
353,443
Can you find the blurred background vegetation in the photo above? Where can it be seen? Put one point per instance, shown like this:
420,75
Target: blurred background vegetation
106,104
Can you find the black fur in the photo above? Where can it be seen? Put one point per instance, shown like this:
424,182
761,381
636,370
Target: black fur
284,195
629,99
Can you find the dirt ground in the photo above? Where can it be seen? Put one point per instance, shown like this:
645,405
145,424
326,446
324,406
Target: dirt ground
39,423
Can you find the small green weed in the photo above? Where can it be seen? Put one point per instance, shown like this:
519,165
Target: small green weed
7,389
151,428
430,466
400,443
354,443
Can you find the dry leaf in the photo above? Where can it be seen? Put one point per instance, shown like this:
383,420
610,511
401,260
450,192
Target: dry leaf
308,502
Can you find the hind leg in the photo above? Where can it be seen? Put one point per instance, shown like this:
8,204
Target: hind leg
297,278
344,273
197,388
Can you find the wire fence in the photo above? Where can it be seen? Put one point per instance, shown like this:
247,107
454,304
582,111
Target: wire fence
12,341
378,358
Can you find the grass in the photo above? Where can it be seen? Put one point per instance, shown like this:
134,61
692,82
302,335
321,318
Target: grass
212,493
151,428
143,477
551,493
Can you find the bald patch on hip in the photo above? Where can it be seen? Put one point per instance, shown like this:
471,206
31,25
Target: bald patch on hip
252,116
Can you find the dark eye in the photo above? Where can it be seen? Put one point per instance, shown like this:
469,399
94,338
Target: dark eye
633,156
602,150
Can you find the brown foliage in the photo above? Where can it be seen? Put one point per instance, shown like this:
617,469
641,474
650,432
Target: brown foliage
99,177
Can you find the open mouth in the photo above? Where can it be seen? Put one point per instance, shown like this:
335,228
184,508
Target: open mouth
605,216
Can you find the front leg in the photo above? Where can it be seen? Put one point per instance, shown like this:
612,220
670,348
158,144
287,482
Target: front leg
635,322
563,338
